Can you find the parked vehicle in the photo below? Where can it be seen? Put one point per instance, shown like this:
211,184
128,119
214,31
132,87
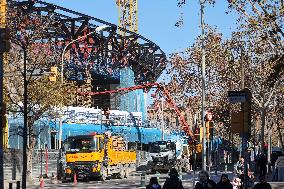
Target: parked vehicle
165,155
98,155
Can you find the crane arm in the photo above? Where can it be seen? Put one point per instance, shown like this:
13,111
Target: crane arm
169,99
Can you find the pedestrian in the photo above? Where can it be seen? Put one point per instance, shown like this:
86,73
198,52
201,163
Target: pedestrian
53,179
236,183
173,182
224,182
153,184
205,182
240,169
262,184
262,162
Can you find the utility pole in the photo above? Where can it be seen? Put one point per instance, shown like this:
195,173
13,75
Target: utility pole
1,124
25,129
242,68
203,85
163,121
245,108
4,47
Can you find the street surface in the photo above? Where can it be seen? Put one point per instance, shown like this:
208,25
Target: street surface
131,182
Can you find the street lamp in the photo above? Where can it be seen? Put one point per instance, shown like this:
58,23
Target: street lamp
203,83
98,29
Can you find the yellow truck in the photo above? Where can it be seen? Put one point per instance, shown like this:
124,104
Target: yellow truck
98,155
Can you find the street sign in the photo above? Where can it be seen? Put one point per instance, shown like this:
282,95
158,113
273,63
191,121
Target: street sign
209,116
237,122
236,96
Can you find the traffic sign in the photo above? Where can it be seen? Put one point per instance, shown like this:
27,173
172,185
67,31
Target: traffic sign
237,122
236,96
209,116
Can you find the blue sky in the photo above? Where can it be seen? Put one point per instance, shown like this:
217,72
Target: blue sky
158,17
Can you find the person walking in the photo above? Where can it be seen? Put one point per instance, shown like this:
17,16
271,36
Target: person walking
205,182
153,184
262,184
262,163
224,182
239,170
173,182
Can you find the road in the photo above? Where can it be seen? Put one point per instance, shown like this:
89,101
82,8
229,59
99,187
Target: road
131,182
134,181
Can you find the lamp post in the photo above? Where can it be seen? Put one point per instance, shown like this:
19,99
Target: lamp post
203,84
163,121
98,29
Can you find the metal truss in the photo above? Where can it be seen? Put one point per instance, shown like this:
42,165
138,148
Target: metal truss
102,53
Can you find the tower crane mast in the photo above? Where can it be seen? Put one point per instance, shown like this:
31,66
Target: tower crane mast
127,15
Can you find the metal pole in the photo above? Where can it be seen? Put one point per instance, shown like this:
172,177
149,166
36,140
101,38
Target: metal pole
242,69
216,156
40,160
203,85
1,123
163,122
18,137
244,144
25,129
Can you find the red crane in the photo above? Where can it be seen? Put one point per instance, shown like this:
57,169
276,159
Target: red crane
169,99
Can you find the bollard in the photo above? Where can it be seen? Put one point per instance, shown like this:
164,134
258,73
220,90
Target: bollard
142,184
75,179
18,184
41,182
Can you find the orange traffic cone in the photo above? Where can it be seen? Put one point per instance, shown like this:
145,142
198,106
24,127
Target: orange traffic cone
41,182
75,178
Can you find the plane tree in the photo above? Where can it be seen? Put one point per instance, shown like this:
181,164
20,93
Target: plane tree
27,66
261,27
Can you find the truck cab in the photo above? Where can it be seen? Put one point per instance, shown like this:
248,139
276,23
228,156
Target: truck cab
163,156
168,154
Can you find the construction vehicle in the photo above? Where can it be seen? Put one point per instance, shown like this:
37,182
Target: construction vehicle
168,154
98,155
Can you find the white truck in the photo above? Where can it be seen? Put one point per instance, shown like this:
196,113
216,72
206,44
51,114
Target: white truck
165,155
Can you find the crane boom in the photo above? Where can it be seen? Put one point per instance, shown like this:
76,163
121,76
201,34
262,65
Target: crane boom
169,99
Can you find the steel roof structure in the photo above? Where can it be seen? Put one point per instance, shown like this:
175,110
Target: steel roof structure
102,53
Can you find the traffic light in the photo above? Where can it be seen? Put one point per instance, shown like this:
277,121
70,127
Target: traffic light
4,40
3,12
198,148
208,116
3,108
53,73
200,133
209,130
197,135
4,125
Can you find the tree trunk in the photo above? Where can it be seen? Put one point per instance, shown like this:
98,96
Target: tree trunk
263,115
30,151
280,134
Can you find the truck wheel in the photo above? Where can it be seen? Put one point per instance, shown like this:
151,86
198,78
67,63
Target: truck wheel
126,173
121,173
